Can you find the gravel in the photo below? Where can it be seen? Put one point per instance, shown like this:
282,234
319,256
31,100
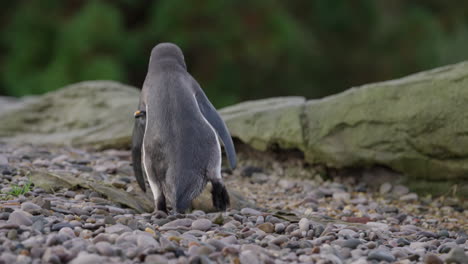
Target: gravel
303,221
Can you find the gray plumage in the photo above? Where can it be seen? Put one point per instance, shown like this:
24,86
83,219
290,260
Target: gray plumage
176,142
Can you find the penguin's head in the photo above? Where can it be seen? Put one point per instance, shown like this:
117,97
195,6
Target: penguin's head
167,51
139,113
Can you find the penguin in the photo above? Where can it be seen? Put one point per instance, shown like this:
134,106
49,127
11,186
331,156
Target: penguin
177,134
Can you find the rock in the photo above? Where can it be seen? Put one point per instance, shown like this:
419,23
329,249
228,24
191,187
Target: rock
118,229
250,211
279,228
19,217
89,117
266,227
3,160
351,243
410,197
304,225
201,224
269,121
280,240
248,257
355,128
86,258
381,255
156,259
385,188
105,248
144,241
457,255
178,223
341,196
432,259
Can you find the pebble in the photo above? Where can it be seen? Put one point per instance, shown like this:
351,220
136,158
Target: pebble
250,211
31,208
457,255
381,255
410,197
82,226
385,188
351,243
117,229
19,217
201,224
144,241
432,259
304,224
178,223
249,257
86,258
279,228
266,227
105,248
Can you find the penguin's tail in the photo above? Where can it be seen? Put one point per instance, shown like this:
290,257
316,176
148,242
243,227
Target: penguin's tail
187,187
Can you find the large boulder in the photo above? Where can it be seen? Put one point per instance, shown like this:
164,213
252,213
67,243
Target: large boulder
97,113
417,125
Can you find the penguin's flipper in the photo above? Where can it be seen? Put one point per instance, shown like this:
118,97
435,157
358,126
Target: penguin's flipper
215,120
137,143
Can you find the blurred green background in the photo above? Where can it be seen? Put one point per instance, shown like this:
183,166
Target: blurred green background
237,50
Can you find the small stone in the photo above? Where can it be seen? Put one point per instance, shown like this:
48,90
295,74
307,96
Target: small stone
280,240
381,255
118,184
178,223
352,243
250,211
156,259
457,255
58,226
12,234
400,190
401,242
443,233
279,228
204,250
116,210
248,257
201,224
109,220
347,233
410,197
219,245
105,248
118,229
50,256
432,259
304,225
341,196
460,240
31,208
385,188
286,184
86,258
67,231
266,227
3,160
20,217
144,241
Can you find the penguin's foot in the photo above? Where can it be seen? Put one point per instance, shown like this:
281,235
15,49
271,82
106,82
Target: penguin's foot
220,196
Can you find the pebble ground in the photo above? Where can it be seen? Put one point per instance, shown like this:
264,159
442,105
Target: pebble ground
304,221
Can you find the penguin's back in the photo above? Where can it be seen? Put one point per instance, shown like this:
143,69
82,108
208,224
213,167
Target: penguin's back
176,125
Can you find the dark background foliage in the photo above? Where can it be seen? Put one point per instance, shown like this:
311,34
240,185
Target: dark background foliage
237,50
